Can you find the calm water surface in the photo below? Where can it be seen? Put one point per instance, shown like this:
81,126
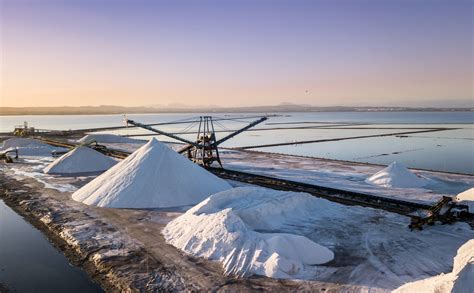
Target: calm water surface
87,121
30,263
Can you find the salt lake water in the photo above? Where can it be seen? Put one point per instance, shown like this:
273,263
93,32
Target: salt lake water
30,263
449,150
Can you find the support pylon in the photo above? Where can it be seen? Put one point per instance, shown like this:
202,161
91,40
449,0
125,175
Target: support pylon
206,152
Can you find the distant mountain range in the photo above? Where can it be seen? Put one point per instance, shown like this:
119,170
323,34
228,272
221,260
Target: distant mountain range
178,108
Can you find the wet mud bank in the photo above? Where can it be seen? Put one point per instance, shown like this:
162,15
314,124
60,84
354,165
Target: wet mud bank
107,256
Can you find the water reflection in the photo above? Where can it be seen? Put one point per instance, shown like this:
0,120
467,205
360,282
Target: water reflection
29,262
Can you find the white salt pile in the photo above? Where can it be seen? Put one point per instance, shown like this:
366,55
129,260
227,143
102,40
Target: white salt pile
79,161
398,176
460,280
28,147
107,138
153,176
225,226
467,198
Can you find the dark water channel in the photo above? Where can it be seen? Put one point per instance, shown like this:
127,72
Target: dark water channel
30,263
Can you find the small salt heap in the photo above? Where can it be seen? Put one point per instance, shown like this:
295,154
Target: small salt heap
398,176
28,147
81,160
154,176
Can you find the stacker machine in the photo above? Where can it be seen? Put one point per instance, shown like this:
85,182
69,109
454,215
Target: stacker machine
204,151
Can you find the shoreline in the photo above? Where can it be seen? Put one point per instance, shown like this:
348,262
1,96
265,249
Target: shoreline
24,203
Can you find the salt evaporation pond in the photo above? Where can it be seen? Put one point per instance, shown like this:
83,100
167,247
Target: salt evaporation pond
30,263
451,150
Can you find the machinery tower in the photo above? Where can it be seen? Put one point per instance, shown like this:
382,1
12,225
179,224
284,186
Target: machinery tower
206,151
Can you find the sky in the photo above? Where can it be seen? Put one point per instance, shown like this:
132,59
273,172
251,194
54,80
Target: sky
236,53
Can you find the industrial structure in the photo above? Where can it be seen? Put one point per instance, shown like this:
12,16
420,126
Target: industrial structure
204,151
24,130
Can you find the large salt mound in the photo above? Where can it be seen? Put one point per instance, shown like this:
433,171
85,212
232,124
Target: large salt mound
460,280
153,176
467,198
28,147
396,175
224,228
79,161
107,138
